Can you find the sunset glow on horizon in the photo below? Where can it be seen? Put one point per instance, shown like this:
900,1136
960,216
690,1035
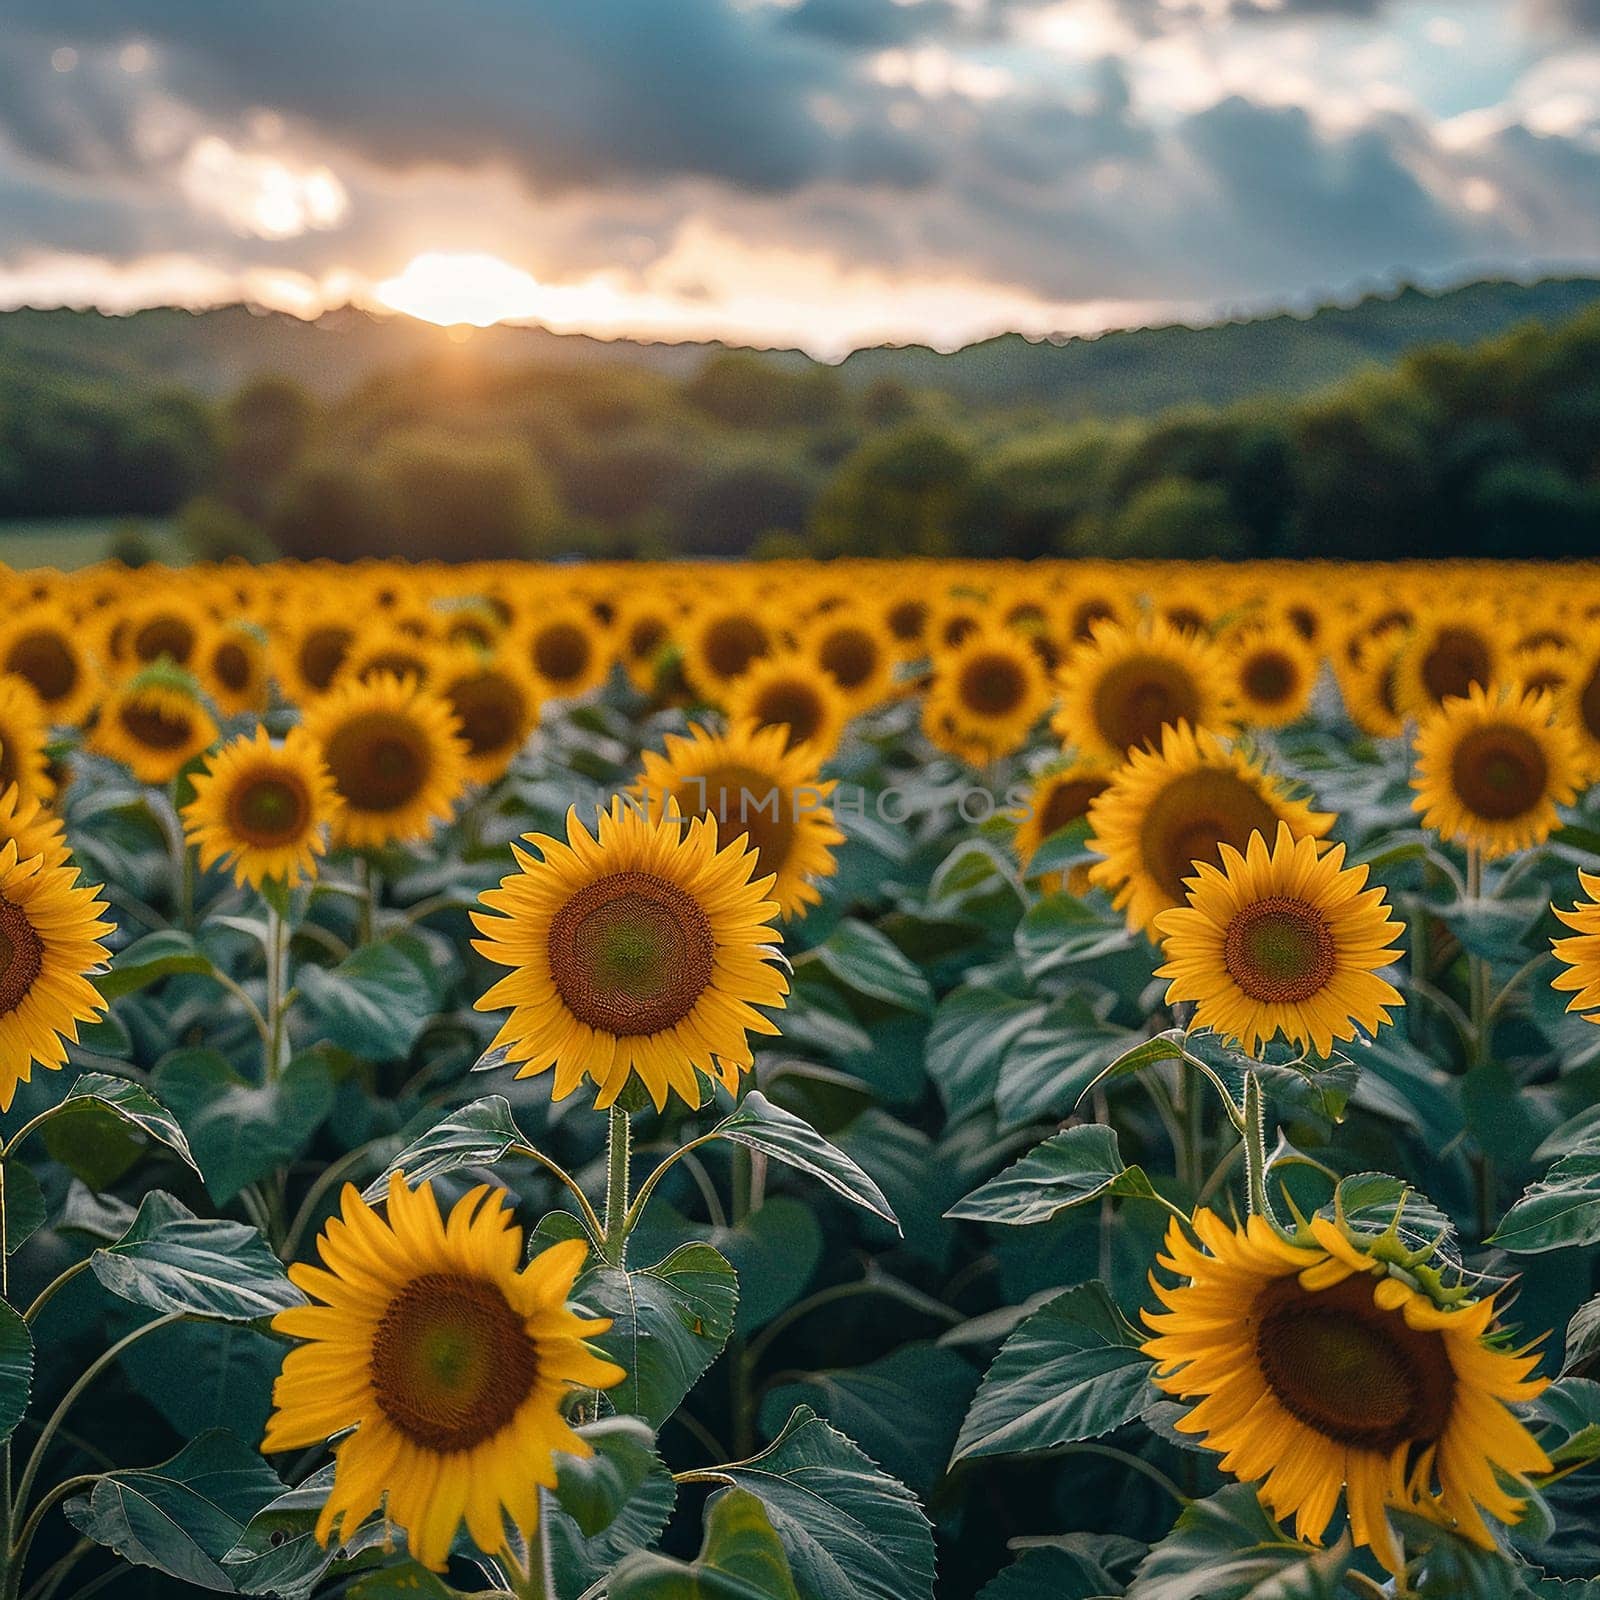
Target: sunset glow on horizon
453,288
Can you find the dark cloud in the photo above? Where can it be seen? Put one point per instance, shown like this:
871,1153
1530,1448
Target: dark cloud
873,24
1581,16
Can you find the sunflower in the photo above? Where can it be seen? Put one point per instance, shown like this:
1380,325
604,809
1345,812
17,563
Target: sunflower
785,690
37,832
1319,1366
1288,943
262,808
856,653
569,651
1056,800
1492,768
1121,688
1545,668
169,629
721,642
1447,654
987,694
1166,810
642,948
43,645
50,930
449,1362
1272,672
154,724
1580,954
906,614
496,703
749,781
24,735
308,657
645,629
1580,700
231,664
397,761
392,649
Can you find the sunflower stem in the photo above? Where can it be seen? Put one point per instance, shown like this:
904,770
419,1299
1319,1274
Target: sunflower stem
1480,1031
277,972
1255,1147
619,1138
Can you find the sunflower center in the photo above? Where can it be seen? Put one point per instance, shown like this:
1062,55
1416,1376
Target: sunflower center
1134,700
231,664
491,712
1279,950
21,956
379,762
992,685
561,652
398,663
1269,677
164,636
451,1362
732,643
322,653
271,809
743,800
1067,802
1192,817
1458,659
645,637
46,661
1499,772
1589,704
631,954
907,619
850,655
793,705
1354,1373
155,727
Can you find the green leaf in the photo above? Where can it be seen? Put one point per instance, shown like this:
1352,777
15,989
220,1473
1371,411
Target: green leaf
148,960
1572,1408
22,1209
1047,1069
1069,1169
106,1037
1065,849
593,1489
478,1135
740,1559
1562,1209
184,1516
1452,1568
1228,1548
208,1374
1062,931
669,1323
16,1369
172,1260
972,1030
1583,1337
1072,1370
376,1001
278,1552
240,1132
864,961
1048,1572
850,1531
760,1125
579,1562
129,1103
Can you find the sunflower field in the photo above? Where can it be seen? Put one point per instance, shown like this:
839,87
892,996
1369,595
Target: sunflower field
800,1082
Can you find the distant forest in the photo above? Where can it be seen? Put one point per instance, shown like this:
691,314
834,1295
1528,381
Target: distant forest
1457,424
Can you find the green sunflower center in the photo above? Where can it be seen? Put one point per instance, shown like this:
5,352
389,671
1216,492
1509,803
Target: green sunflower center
1499,773
21,956
379,760
269,809
451,1362
631,954
1354,1373
1134,700
1279,950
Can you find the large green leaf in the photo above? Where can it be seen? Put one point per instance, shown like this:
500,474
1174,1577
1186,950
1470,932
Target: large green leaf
207,1374
1454,1568
478,1135
1583,1337
850,1531
148,960
972,1030
669,1323
184,1516
740,1559
1562,1209
16,1368
862,960
22,1208
1062,931
240,1132
172,1260
278,1552
760,1125
593,1489
131,1104
578,1561
1571,1407
1072,1370
1047,1572
376,1001
1069,1169
1047,1069
1228,1548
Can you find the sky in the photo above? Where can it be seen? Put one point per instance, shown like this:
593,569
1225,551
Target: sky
820,173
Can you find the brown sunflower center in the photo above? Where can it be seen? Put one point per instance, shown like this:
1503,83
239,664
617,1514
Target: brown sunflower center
322,653
491,711
379,761
1279,950
164,636
156,727
849,655
1354,1373
1457,659
398,663
732,643
1589,704
992,684
1068,801
21,956
271,808
1134,700
451,1362
743,800
231,663
1499,772
1269,677
561,652
1192,817
47,661
907,619
631,953
646,636
790,704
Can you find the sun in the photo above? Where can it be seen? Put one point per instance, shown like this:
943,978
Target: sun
455,287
